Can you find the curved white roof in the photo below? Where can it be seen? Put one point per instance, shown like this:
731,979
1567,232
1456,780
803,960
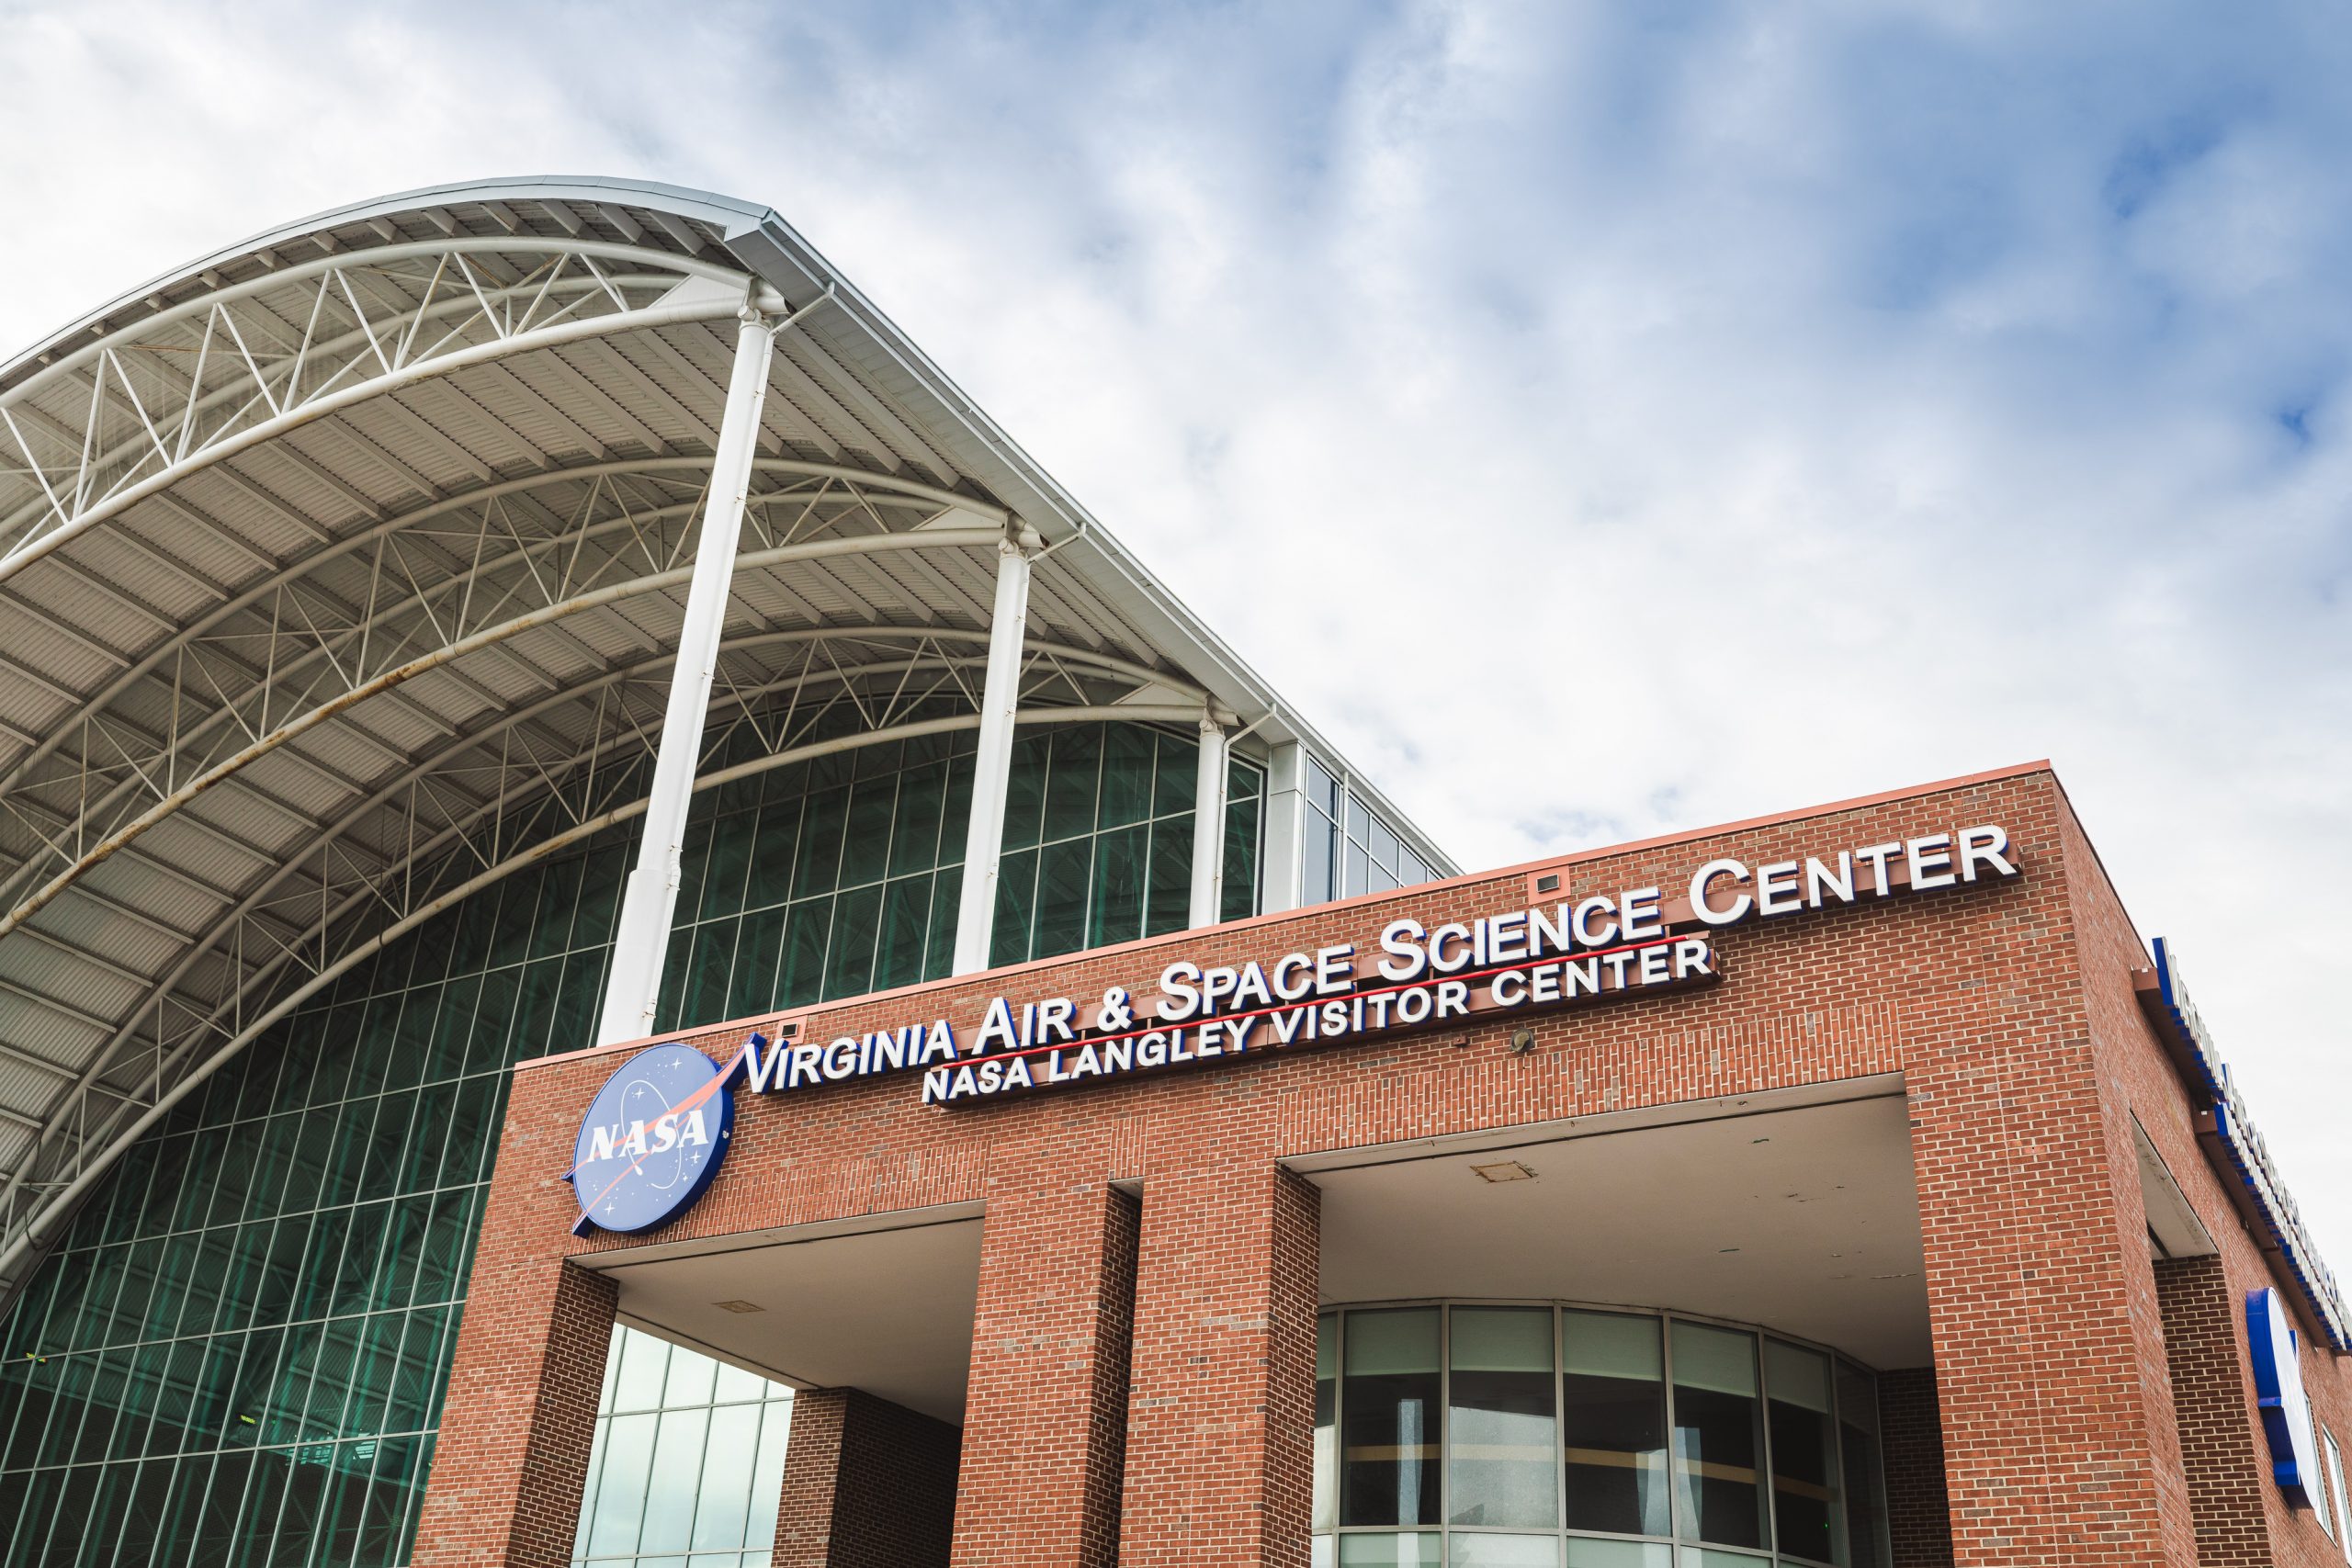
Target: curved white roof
340,568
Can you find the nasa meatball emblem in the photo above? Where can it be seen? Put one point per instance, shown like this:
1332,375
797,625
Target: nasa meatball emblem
653,1139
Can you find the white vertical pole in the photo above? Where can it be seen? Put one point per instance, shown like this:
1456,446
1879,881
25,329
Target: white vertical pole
1280,848
1208,828
992,770
650,897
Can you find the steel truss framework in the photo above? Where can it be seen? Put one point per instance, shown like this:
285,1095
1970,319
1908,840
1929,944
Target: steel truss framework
456,619
124,418
495,800
342,574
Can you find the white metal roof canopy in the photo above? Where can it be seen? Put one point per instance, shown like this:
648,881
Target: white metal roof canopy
341,572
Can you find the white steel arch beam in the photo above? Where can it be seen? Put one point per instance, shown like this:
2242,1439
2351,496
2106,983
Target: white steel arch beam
208,943
449,653
299,566
323,650
71,509
60,1200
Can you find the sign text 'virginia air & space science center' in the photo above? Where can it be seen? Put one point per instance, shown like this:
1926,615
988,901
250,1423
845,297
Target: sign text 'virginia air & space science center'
1582,950
656,1132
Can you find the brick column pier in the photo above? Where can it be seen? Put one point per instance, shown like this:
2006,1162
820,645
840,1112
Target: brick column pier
521,1418
1045,1412
866,1484
2056,1412
1221,1438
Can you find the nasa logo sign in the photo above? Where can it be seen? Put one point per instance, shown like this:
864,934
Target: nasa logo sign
2278,1388
653,1139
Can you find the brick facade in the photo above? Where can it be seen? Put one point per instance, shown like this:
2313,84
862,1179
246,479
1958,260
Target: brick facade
2004,1007
520,1422
866,1484
2221,1450
1918,1512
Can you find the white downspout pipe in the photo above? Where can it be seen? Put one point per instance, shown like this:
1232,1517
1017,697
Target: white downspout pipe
649,900
1208,828
992,770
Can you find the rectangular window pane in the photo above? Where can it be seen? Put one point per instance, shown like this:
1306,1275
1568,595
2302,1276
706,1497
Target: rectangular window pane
1391,1419
1016,904
1499,1420
725,1492
1240,899
857,929
1167,896
723,876
710,963
751,987
807,928
820,849
1718,1435
1024,791
676,1478
1179,776
620,1491
1063,872
906,920
1116,914
914,839
1322,789
1126,776
1316,864
1866,1529
1072,781
1391,1550
645,1362
1808,1518
1327,1406
1504,1550
1618,1554
2336,1486
770,882
767,1472
865,849
1613,1416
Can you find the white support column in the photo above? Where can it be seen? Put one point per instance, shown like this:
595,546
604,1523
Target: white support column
992,771
1208,828
650,897
1282,842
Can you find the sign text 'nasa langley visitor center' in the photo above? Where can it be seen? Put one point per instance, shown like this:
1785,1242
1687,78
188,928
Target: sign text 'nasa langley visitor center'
626,941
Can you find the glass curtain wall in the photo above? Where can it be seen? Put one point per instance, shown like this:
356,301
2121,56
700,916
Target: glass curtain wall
1572,1437
235,1357
1346,848
688,1464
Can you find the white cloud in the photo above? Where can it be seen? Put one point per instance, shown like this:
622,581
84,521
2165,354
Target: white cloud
1797,404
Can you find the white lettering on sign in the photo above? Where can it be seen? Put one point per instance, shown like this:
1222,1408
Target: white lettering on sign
1585,949
641,1138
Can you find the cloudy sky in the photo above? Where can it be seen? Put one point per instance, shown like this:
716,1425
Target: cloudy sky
1806,400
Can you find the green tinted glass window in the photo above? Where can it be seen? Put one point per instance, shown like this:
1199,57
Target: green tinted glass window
237,1352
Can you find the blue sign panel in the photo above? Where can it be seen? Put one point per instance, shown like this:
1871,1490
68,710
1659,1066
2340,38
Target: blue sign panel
2278,1388
653,1139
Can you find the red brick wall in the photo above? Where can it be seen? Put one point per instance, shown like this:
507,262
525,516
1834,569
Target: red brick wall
1911,1436
521,1418
1221,1427
866,1484
2005,1006
2204,1348
1046,1410
2140,1085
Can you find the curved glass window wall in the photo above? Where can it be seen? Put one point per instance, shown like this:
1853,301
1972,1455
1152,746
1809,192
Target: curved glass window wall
1486,1435
236,1355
